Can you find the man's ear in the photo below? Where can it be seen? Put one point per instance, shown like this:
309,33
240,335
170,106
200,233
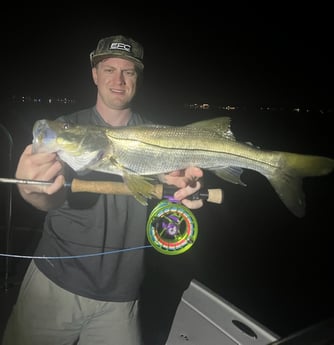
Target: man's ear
94,75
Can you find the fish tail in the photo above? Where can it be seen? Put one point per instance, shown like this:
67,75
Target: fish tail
288,179
307,165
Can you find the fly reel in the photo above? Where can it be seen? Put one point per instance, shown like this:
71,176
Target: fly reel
171,228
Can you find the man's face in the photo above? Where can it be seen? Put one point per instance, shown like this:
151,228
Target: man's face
116,80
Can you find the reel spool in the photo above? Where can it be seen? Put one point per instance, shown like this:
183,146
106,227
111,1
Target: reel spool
171,228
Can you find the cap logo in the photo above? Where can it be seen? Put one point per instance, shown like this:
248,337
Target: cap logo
120,46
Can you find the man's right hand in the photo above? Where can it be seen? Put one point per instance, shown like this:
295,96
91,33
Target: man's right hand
40,166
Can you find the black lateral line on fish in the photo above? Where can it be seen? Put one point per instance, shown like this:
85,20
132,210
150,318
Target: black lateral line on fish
232,154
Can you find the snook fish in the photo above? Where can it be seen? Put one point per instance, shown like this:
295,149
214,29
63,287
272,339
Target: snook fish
139,153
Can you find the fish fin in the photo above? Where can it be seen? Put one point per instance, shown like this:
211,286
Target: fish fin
290,191
140,187
230,174
308,165
221,126
287,181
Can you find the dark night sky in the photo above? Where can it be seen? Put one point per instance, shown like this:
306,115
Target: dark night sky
235,54
238,54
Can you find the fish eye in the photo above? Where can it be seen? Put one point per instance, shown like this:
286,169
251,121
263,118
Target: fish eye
66,125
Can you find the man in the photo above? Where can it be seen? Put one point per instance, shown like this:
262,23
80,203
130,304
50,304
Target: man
89,299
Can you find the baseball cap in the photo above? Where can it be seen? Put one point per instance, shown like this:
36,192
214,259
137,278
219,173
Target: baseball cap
118,46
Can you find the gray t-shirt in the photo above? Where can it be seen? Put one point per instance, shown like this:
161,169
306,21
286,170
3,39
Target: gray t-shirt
90,223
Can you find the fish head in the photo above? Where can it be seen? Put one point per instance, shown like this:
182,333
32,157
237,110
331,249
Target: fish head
44,138
81,147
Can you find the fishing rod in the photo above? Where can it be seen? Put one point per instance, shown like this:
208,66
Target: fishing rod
171,228
160,191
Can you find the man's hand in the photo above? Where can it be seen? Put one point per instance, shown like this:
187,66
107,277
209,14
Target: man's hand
188,182
41,166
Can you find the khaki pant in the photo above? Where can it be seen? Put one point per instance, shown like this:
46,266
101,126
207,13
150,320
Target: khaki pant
46,314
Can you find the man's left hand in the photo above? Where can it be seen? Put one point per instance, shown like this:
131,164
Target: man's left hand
187,181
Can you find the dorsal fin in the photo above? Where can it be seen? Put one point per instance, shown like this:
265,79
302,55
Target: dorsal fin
221,126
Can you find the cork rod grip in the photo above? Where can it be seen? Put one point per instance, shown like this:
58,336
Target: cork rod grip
158,192
109,187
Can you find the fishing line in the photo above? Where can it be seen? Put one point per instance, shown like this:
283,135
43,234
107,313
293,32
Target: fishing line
171,229
74,256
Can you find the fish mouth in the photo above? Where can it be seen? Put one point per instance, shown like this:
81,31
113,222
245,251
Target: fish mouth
43,137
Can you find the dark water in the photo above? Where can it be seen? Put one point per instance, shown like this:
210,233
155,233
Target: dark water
251,250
